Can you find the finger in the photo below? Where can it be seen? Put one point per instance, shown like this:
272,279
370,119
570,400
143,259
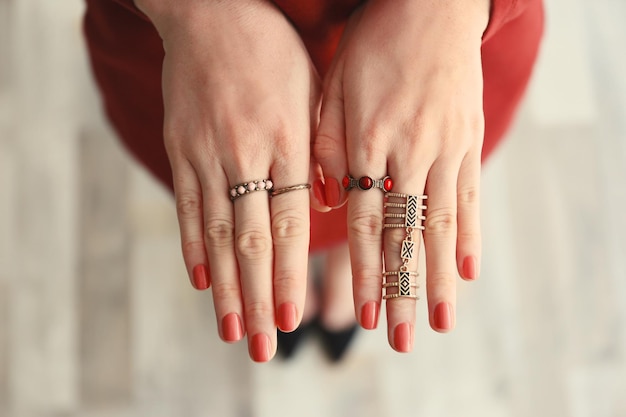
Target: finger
219,240
190,219
440,243
468,195
329,148
365,239
253,247
401,311
290,234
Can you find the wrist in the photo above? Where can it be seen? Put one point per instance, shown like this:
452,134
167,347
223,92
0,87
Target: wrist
463,16
168,15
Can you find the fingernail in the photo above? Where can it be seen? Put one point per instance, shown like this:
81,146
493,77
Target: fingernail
332,192
470,268
201,277
260,348
319,192
286,317
442,316
369,315
402,337
232,330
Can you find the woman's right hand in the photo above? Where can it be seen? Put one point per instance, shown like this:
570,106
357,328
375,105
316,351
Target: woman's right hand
241,100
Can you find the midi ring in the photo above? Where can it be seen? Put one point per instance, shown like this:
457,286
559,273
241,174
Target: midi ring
404,285
284,190
365,183
244,188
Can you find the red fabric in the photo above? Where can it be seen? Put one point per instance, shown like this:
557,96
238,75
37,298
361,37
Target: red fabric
126,55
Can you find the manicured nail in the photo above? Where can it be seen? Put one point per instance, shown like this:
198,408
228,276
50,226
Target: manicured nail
260,348
470,270
201,277
402,337
442,316
369,315
332,192
286,317
319,192
232,329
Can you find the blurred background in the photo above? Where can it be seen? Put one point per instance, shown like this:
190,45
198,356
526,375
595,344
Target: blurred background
97,317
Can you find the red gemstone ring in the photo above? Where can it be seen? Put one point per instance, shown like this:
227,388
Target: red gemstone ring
365,183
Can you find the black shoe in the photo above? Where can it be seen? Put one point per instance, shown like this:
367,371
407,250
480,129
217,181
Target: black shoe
336,343
289,342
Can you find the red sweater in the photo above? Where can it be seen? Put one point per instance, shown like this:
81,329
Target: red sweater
126,55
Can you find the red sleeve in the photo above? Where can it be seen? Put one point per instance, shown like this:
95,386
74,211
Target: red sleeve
130,5
502,12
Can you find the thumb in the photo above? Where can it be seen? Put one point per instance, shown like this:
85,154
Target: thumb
329,148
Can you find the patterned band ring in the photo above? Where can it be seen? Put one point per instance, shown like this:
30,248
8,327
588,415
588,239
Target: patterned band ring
244,188
365,183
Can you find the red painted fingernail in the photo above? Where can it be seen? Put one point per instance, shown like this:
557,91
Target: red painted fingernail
319,192
286,317
260,348
201,277
232,329
442,316
369,315
402,337
332,192
469,268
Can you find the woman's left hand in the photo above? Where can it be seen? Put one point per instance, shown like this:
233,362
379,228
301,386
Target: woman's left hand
404,98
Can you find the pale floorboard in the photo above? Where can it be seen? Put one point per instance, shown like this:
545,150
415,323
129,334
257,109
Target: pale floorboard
97,317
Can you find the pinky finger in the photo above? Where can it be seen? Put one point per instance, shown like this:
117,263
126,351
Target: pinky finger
468,202
190,219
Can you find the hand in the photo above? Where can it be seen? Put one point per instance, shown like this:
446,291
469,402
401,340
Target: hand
241,99
404,98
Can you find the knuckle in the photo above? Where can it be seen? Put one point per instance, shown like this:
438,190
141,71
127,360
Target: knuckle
191,248
469,236
188,205
286,279
219,232
225,290
288,226
326,146
253,244
257,311
373,147
443,281
441,222
366,226
468,196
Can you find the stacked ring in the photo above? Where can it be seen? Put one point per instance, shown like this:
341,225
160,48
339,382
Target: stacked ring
239,190
366,183
403,211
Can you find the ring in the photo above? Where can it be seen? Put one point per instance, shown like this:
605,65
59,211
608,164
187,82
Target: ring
365,183
403,211
238,190
406,288
406,211
288,189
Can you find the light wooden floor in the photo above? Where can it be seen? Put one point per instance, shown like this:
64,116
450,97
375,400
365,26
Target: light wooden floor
97,317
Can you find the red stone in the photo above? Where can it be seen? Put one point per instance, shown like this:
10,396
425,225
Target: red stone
365,183
388,184
345,182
